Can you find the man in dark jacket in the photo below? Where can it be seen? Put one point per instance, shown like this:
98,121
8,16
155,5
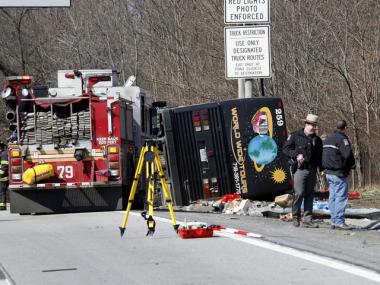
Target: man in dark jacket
3,176
338,160
304,148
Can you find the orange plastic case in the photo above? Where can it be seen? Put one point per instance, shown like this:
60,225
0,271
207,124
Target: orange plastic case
196,233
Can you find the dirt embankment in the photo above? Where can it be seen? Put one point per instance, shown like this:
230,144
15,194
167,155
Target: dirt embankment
370,198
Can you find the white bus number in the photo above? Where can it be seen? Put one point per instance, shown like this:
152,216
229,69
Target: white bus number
279,117
65,171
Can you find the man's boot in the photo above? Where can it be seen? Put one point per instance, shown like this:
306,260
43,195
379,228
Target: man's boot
310,224
343,227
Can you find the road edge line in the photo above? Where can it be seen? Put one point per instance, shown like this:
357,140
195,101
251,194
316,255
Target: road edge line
305,255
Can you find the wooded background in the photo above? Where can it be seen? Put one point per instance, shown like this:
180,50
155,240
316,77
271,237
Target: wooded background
325,56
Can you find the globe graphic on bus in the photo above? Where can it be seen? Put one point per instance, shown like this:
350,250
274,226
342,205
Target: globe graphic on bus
262,149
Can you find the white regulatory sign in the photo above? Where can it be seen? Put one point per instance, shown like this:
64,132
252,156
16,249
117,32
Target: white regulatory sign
247,52
246,11
35,3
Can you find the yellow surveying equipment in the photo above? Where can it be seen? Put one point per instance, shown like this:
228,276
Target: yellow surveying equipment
149,155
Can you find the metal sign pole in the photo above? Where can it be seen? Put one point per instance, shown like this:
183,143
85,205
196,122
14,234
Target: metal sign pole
248,88
241,89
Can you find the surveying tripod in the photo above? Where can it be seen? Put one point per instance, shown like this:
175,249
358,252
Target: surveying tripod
149,155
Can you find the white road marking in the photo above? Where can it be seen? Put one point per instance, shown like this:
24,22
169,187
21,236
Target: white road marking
4,276
325,261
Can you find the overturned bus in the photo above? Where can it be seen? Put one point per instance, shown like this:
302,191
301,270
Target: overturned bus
227,147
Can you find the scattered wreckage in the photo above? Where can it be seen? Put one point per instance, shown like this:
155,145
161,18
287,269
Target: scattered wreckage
280,208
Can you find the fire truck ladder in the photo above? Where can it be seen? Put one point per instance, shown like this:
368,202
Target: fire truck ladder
149,155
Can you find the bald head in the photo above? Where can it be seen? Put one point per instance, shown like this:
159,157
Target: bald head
341,125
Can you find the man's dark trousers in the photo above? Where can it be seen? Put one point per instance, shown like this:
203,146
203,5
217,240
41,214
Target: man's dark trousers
304,182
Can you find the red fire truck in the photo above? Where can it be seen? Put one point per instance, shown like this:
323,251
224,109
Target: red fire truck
74,146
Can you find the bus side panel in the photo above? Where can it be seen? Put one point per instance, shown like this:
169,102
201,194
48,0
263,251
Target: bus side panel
256,132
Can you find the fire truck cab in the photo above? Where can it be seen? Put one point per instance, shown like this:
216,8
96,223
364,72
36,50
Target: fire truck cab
74,147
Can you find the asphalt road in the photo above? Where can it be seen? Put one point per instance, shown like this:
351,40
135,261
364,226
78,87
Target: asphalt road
86,248
360,247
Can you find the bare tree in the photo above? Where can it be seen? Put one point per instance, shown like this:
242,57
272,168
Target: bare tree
325,55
